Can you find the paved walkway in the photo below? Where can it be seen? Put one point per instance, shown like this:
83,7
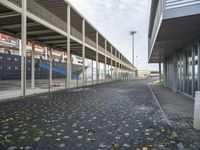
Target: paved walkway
174,102
120,115
179,110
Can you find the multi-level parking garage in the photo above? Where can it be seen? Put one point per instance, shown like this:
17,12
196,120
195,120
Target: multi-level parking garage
57,25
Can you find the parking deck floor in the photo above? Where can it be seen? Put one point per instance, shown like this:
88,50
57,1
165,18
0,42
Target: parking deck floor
118,115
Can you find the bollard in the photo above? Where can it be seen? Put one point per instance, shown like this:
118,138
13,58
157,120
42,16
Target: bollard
197,111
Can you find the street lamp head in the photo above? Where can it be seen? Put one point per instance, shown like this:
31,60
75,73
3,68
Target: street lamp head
133,32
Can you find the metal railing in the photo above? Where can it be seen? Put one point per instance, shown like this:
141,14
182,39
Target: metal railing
159,13
90,42
76,33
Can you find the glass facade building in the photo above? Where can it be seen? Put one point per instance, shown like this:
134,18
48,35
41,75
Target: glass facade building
185,63
174,40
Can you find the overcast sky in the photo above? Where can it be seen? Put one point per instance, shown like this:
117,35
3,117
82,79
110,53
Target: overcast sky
115,18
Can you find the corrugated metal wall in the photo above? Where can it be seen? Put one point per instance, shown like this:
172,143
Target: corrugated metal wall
171,4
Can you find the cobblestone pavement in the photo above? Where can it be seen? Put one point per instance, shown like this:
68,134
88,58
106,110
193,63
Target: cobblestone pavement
179,110
120,115
184,127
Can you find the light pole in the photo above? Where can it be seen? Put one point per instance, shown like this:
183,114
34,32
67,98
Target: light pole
136,62
132,33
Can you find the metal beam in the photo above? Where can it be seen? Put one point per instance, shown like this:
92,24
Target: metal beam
8,14
38,32
14,26
72,44
61,45
55,41
51,37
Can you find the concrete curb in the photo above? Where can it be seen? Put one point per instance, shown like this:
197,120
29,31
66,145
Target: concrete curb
163,113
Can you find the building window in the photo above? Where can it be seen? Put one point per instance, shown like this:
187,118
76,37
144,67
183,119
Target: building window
196,68
188,83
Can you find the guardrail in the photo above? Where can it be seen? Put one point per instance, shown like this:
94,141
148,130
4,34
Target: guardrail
76,33
90,42
108,53
101,49
113,56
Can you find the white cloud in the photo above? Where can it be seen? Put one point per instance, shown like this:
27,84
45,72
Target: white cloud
115,18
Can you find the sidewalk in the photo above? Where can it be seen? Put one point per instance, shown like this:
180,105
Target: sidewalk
179,111
171,102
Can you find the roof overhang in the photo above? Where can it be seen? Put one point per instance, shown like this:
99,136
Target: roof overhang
174,34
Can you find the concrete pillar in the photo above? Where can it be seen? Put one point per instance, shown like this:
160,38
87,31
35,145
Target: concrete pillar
97,67
160,73
105,60
197,111
69,70
115,70
97,57
46,53
193,73
105,69
174,73
111,63
83,51
66,71
111,69
50,68
86,77
24,41
92,72
20,47
126,75
165,73
184,73
33,66
199,66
